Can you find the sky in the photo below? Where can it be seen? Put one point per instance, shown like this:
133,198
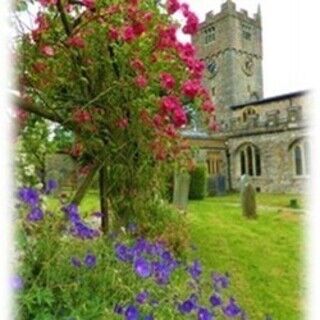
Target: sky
284,41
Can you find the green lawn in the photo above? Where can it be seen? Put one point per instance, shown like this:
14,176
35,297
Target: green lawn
264,257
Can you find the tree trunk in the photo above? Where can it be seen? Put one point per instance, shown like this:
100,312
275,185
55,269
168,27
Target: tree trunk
104,199
85,185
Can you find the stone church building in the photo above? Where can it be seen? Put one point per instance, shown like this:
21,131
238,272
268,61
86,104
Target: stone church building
264,138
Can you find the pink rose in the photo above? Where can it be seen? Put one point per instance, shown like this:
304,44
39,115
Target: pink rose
191,88
173,6
47,51
128,34
167,81
141,81
76,41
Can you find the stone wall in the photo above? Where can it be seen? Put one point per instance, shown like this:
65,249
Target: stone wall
277,161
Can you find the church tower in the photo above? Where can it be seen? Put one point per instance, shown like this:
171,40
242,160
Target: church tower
230,43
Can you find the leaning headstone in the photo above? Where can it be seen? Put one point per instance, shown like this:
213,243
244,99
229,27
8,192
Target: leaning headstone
244,180
248,202
181,190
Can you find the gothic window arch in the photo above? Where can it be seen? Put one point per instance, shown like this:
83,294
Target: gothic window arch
249,160
300,150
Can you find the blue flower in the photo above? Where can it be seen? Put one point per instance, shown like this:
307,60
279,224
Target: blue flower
204,314
72,213
142,297
215,300
232,309
90,260
51,185
149,317
29,196
76,262
187,306
195,270
142,267
220,281
132,313
36,214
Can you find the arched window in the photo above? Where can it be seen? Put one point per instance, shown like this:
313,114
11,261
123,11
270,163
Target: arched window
301,157
298,160
250,160
210,35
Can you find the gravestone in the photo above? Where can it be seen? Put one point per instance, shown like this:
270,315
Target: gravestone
244,180
248,202
220,185
181,190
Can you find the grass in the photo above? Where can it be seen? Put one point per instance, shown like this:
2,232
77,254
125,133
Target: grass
263,256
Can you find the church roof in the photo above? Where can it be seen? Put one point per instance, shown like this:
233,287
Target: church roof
271,99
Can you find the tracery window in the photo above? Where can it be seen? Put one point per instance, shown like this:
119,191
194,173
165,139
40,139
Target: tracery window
250,160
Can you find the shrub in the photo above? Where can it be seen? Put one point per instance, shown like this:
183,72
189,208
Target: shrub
198,184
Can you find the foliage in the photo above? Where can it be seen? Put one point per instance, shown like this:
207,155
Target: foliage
32,149
248,202
198,183
63,273
115,74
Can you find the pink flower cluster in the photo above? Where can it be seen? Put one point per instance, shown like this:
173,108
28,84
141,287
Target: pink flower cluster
171,105
81,116
167,81
76,42
141,81
173,6
191,88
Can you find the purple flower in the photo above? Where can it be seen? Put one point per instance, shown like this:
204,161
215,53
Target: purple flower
215,300
149,317
17,283
90,260
123,253
142,297
132,313
220,281
232,309
143,268
195,270
29,196
71,212
204,314
187,306
76,262
36,214
51,185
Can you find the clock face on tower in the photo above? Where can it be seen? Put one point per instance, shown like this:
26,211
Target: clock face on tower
248,66
212,68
